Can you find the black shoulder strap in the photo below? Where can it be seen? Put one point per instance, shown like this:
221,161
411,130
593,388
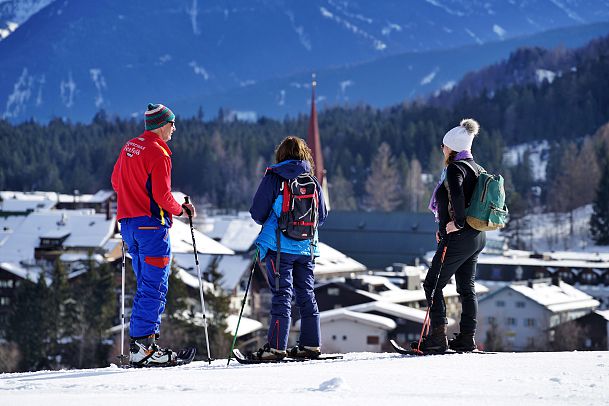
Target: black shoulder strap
477,169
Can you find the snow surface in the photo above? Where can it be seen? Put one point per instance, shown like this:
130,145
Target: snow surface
551,232
567,378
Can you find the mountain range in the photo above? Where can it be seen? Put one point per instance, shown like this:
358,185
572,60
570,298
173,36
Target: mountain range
71,58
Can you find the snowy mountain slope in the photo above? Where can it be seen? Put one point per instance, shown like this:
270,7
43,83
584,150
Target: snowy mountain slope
383,81
573,378
13,13
73,58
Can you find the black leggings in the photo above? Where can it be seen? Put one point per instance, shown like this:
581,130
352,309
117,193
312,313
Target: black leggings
460,260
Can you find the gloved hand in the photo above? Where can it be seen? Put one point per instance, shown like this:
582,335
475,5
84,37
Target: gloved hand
189,210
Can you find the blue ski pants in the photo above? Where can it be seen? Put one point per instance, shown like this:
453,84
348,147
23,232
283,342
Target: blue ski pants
148,243
295,279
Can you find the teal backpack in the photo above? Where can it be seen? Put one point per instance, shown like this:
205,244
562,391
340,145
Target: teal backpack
487,210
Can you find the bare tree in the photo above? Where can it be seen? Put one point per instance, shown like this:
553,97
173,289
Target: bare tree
9,357
493,340
415,189
342,189
575,185
383,185
568,336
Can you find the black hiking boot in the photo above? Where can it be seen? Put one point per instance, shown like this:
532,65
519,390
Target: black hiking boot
433,343
462,342
304,351
266,353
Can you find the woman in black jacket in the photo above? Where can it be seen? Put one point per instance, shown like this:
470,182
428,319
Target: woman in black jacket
462,242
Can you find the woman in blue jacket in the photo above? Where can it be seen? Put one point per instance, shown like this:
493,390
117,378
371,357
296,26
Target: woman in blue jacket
296,261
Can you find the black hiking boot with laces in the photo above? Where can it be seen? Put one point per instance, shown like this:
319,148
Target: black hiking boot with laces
304,351
462,342
433,343
266,353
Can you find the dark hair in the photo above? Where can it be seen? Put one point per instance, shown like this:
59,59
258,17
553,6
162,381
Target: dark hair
293,148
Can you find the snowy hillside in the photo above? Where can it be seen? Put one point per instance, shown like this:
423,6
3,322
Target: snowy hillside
73,58
13,13
569,378
552,231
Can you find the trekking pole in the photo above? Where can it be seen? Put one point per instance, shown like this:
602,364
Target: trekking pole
247,288
122,356
427,321
194,246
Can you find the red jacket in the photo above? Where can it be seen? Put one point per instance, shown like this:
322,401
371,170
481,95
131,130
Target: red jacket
142,180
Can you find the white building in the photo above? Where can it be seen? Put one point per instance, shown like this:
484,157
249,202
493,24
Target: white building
343,330
520,314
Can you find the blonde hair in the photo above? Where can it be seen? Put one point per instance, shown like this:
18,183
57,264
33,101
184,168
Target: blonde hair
294,148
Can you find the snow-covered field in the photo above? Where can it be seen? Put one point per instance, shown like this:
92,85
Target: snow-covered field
568,378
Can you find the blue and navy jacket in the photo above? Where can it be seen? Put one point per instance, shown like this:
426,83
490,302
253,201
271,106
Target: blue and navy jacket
266,209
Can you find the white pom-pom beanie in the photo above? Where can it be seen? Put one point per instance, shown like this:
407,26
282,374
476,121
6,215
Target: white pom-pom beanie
458,139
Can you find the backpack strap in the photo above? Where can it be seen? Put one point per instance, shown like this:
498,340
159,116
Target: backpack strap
285,206
477,169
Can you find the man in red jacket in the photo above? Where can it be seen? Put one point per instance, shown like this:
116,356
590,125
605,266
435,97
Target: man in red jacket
142,181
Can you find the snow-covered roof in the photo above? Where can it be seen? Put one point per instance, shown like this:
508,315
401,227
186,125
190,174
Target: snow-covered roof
246,325
232,269
516,259
192,280
556,298
186,260
364,318
31,273
240,234
332,261
577,255
377,280
603,313
27,201
23,201
80,256
181,241
216,226
397,295
408,296
85,228
393,309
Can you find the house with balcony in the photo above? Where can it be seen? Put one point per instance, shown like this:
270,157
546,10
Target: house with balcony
522,315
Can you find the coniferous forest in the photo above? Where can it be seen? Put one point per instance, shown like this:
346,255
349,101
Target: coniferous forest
220,161
374,160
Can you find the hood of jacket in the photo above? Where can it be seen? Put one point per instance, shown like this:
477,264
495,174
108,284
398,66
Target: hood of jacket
290,169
